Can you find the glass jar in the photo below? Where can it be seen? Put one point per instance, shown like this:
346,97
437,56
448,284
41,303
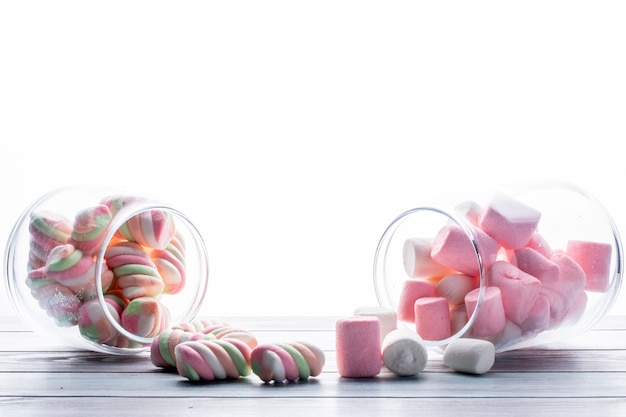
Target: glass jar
520,265
104,269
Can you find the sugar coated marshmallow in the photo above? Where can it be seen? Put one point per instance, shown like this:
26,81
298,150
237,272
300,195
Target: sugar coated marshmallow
144,260
358,346
528,285
595,260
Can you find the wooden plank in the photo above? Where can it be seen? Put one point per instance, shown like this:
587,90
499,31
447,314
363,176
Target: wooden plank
304,407
327,385
325,339
516,361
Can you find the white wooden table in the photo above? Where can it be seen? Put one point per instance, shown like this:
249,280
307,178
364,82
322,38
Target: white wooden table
585,376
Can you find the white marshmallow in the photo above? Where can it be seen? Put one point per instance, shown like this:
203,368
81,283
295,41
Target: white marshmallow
418,262
471,356
404,352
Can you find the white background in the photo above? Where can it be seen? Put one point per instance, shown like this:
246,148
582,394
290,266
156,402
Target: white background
293,132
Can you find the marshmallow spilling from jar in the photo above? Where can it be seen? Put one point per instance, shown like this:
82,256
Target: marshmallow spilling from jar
529,287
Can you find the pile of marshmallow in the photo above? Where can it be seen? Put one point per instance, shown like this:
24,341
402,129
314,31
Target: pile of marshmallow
144,260
212,350
370,341
529,286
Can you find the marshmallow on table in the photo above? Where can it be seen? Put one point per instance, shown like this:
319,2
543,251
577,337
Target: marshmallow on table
404,352
432,318
490,317
413,289
388,317
163,346
208,360
510,222
595,259
358,346
225,331
519,290
417,260
453,248
472,356
281,362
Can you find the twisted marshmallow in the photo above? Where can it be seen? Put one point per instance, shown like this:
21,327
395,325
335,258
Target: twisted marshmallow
208,360
286,361
136,274
71,268
90,227
170,262
94,325
57,300
145,317
47,231
163,346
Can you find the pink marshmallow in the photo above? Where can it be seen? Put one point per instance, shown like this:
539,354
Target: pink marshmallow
571,280
358,346
490,317
454,287
558,304
388,317
538,318
453,248
412,289
595,259
432,318
576,310
519,290
534,263
458,318
470,210
541,245
509,221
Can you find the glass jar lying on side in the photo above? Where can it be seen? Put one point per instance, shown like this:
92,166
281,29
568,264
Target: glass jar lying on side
104,270
521,266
